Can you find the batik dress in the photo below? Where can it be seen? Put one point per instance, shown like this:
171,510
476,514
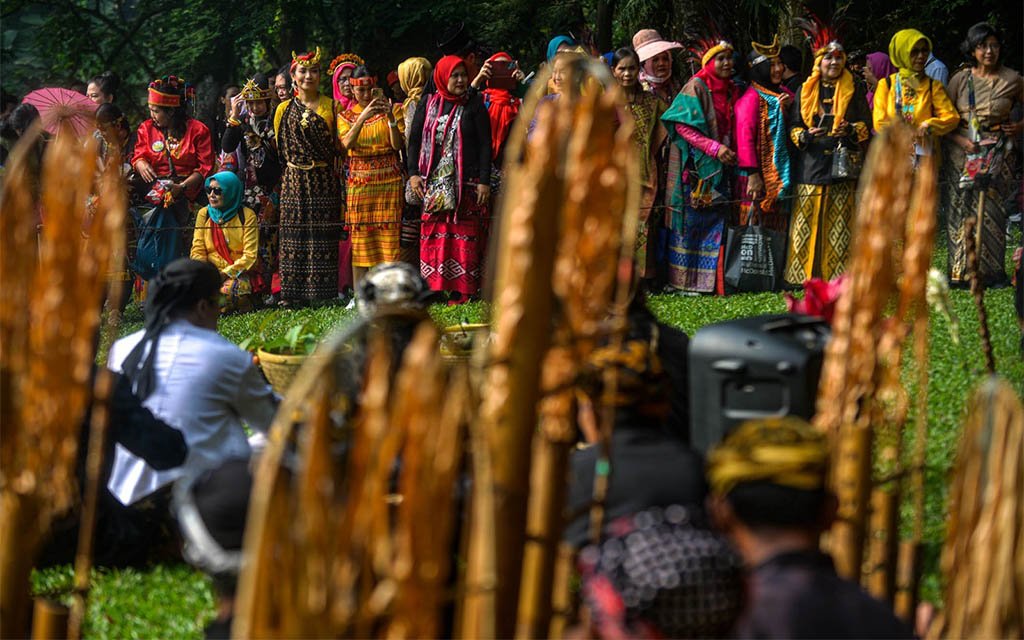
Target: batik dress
821,222
374,189
648,135
762,147
989,107
697,190
310,201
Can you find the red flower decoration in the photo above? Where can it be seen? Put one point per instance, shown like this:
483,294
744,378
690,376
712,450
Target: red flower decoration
819,298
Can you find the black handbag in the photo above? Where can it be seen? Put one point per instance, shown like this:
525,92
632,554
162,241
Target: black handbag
754,256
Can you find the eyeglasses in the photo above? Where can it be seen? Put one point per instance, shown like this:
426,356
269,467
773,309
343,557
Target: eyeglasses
214,191
987,46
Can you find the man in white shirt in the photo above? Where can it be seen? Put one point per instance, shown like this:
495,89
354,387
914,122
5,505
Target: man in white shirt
190,377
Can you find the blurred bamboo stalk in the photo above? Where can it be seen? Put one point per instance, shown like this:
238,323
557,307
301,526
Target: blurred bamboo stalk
983,556
48,326
861,396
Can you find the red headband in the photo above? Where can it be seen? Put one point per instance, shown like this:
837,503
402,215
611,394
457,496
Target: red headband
159,99
365,81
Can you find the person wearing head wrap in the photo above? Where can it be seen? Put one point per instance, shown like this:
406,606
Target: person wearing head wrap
769,495
413,75
981,167
650,462
188,376
649,135
372,134
340,70
250,138
305,127
173,155
700,134
762,148
877,68
655,54
829,116
449,162
227,236
660,575
559,43
911,96
502,108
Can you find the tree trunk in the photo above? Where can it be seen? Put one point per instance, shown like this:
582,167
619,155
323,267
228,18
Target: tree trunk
605,16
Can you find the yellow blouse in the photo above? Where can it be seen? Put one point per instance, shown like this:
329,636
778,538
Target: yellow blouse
243,242
375,136
932,105
325,109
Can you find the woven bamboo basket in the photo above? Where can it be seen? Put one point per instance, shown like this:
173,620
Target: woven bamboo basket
280,368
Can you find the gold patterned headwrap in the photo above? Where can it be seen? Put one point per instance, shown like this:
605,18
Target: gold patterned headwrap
253,92
785,451
765,51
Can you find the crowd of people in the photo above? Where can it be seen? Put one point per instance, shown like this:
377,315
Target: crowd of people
328,183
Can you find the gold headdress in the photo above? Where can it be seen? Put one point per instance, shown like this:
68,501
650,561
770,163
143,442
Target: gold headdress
311,59
252,92
765,51
345,58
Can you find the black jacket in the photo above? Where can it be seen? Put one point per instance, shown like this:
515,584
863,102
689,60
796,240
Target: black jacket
476,139
649,468
813,160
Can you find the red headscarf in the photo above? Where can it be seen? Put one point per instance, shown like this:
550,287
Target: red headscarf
442,72
502,107
723,95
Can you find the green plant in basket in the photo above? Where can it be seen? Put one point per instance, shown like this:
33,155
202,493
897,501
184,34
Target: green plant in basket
300,339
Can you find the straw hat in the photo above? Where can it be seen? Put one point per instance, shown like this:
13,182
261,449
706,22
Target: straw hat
649,43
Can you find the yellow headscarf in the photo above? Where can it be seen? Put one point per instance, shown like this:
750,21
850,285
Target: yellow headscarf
785,451
809,92
900,46
412,75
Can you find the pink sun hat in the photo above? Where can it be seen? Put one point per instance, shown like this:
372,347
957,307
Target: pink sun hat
649,43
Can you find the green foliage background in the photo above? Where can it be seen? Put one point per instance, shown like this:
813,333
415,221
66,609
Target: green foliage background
61,42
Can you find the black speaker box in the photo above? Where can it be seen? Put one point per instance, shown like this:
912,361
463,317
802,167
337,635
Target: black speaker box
755,367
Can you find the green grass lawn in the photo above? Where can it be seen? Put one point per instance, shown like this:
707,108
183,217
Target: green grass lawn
175,601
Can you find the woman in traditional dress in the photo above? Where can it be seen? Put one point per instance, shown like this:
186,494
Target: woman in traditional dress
450,170
227,236
655,55
502,109
980,172
310,188
173,155
372,133
649,135
413,75
765,172
700,126
911,96
341,69
829,116
251,140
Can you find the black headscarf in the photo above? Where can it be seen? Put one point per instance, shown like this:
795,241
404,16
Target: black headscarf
760,73
176,289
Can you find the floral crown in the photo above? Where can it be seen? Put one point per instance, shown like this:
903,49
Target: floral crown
350,58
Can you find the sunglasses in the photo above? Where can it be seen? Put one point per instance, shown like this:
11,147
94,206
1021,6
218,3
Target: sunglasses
214,191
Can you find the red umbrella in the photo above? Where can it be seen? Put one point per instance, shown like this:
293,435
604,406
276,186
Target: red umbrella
63,106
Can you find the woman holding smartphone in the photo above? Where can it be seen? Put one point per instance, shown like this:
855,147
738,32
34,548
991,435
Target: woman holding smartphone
372,134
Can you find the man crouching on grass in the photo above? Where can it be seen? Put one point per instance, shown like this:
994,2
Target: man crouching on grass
191,378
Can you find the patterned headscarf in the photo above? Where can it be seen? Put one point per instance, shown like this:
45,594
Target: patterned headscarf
659,576
785,451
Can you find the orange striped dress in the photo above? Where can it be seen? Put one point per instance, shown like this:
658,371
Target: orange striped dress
374,189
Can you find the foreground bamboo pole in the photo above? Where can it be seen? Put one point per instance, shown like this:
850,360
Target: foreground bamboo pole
48,326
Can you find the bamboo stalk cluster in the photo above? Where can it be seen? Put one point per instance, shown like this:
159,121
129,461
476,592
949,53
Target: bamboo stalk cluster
444,513
862,403
49,322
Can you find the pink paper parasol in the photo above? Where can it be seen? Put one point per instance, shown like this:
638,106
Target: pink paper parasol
62,106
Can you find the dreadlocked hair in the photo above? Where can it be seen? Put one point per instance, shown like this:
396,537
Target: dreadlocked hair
173,292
